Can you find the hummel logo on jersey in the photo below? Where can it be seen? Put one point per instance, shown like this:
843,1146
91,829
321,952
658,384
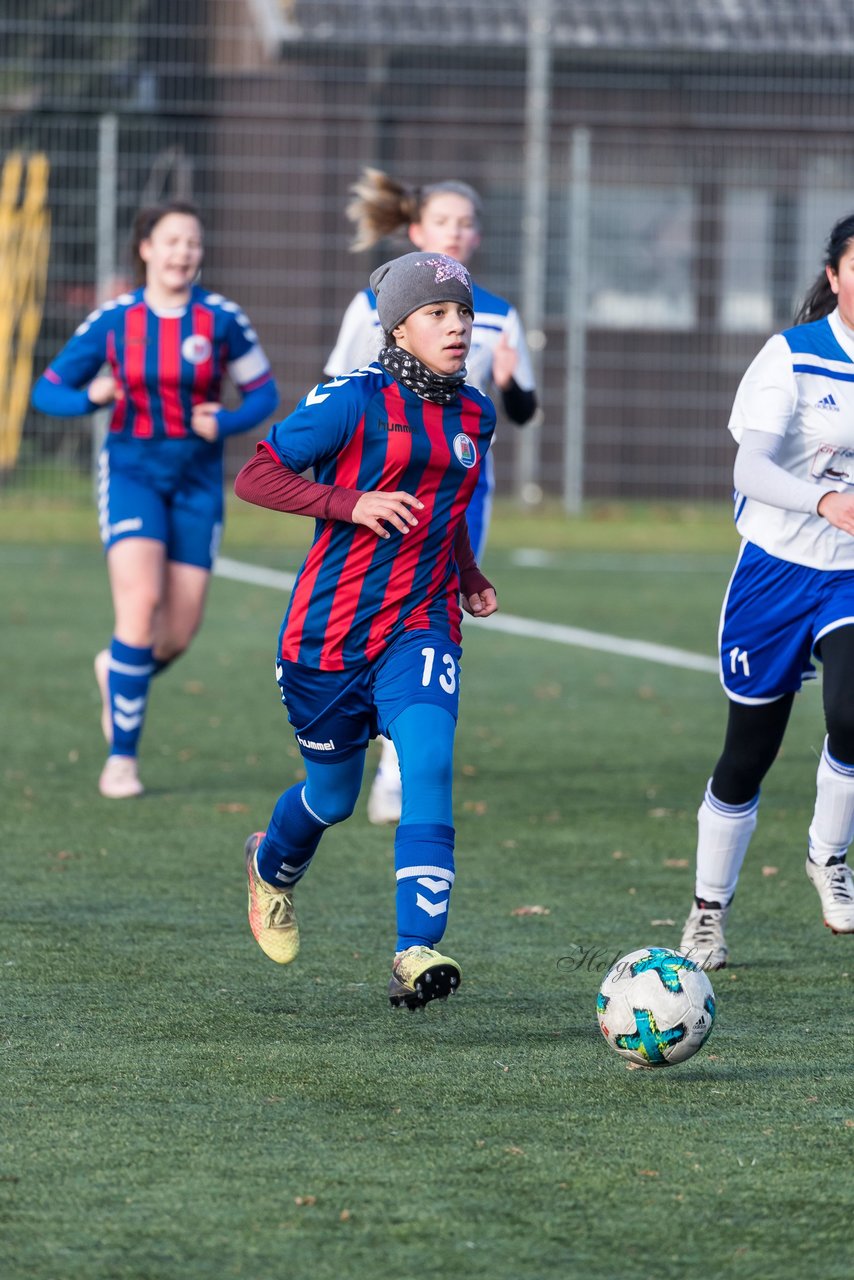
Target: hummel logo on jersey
827,402
397,426
316,746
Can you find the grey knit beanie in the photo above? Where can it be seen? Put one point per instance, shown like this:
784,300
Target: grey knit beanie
415,280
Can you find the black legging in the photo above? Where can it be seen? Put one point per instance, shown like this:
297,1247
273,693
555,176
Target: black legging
754,733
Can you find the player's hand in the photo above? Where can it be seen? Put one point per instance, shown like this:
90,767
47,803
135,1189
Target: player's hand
204,421
504,361
374,510
104,389
838,510
481,603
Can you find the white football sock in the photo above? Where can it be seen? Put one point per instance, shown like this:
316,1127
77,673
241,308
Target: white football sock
832,826
723,834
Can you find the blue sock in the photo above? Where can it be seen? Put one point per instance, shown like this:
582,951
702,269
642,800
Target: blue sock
130,674
303,813
424,738
293,834
424,866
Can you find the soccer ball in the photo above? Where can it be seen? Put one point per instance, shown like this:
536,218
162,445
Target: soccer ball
655,1007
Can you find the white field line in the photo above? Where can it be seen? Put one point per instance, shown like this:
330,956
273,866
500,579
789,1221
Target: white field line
257,575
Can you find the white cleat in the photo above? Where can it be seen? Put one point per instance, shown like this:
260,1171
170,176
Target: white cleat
834,885
119,778
384,800
102,675
703,936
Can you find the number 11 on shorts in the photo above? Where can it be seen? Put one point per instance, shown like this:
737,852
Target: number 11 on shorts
737,656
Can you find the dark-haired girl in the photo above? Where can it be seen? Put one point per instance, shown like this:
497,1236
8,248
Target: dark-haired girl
168,344
790,599
371,639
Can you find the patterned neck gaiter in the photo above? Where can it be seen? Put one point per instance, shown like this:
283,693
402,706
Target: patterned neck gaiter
440,388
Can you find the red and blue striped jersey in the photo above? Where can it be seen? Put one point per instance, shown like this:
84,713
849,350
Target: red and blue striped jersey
355,591
165,363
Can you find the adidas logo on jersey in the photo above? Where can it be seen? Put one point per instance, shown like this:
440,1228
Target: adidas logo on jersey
827,402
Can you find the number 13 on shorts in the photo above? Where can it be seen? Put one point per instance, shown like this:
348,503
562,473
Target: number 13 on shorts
447,670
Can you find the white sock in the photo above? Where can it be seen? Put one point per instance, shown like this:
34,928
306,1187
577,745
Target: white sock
389,765
723,834
832,826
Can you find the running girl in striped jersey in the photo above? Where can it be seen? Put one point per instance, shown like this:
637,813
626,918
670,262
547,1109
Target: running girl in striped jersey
790,599
371,639
444,217
168,344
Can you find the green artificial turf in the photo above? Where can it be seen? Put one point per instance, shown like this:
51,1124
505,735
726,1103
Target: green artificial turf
174,1105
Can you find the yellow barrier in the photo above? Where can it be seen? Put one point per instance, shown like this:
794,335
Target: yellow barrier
24,249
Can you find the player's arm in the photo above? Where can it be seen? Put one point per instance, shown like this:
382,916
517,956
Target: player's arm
311,437
477,594
763,411
69,388
519,405
757,474
513,374
212,422
267,482
249,370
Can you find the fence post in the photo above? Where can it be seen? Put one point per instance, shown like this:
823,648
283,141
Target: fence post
535,228
578,249
105,249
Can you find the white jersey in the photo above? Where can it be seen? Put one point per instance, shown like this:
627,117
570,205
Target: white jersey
360,339
801,388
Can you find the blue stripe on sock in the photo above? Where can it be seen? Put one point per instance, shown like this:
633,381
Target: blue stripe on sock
731,810
844,770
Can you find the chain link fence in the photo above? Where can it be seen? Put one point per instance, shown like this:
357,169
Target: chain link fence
658,179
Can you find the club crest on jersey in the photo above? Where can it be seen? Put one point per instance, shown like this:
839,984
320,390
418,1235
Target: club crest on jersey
464,449
196,349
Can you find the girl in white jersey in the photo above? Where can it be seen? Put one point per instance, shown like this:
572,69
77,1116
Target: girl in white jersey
441,218
790,599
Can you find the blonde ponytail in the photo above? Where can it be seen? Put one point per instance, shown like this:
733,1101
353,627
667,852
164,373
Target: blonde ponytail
380,207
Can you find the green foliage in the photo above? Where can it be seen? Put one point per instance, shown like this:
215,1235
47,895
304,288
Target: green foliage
174,1105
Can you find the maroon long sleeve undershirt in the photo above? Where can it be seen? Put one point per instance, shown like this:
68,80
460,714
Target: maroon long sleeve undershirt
267,482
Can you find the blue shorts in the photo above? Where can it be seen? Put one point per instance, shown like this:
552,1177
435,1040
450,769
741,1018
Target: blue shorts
184,511
336,713
773,618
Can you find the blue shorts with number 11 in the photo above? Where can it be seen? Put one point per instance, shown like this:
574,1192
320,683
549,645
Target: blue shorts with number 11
773,618
336,713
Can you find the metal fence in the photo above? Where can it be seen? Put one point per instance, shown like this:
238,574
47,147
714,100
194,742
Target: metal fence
658,179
